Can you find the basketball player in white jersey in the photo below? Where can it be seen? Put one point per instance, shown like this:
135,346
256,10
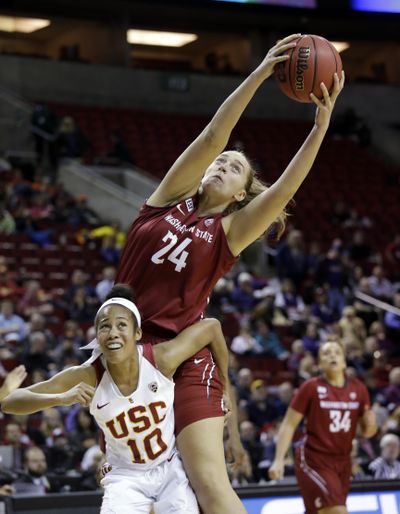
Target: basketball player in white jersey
130,392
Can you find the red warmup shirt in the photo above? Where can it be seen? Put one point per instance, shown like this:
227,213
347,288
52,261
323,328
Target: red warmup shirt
172,259
331,414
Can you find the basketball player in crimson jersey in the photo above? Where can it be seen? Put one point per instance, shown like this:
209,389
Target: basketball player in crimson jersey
332,406
130,391
207,209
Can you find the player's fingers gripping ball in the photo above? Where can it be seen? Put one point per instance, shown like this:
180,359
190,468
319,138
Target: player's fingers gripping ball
312,61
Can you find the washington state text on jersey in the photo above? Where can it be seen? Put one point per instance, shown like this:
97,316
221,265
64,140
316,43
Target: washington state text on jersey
202,234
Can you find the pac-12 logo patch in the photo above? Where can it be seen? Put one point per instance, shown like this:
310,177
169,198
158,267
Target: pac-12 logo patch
208,222
153,386
353,396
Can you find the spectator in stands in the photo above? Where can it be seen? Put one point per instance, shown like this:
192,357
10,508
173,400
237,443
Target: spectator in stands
79,279
70,140
285,394
243,295
37,323
69,342
291,259
392,392
379,285
291,305
358,249
8,286
349,125
296,355
268,341
7,222
44,128
118,154
84,435
261,407
11,322
60,455
81,308
35,468
311,339
387,466
109,250
250,438
111,229
352,326
36,356
51,419
104,286
331,275
341,213
35,300
321,308
14,437
245,379
244,343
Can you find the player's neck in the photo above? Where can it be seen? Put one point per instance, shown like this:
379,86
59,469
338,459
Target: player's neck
208,206
335,380
125,374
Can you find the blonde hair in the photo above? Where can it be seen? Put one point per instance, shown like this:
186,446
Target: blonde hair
253,188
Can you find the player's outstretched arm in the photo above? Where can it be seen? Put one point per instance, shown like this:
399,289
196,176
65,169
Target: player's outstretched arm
171,354
246,225
73,385
285,436
183,178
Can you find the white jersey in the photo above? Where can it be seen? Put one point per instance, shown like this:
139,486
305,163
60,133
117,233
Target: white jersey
138,429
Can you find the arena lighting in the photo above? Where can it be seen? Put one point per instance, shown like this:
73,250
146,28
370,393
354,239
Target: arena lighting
27,25
159,38
340,46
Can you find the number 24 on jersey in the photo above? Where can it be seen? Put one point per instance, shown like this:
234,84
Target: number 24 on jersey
172,252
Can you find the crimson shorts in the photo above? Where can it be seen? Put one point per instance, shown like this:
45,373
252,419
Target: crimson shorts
198,389
323,479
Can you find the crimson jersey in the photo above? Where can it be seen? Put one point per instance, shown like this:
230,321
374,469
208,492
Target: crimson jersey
172,259
331,413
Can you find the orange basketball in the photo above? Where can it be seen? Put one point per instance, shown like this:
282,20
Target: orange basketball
312,61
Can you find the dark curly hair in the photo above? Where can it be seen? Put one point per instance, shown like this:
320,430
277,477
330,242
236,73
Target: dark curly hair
121,291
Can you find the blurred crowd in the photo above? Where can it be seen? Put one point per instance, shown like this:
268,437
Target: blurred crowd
274,323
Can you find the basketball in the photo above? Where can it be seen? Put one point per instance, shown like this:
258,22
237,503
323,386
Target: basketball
312,61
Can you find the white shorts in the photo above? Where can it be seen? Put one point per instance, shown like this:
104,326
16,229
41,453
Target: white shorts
166,488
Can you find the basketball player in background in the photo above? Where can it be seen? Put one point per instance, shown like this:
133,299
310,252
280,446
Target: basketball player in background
332,406
208,208
130,391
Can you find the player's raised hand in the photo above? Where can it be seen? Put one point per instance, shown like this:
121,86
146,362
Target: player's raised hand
15,378
276,471
326,105
81,393
276,54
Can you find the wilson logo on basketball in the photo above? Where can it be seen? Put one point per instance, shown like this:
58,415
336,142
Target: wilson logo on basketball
302,66
153,386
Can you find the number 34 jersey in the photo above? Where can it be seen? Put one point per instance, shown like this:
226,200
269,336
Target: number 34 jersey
138,429
172,259
331,413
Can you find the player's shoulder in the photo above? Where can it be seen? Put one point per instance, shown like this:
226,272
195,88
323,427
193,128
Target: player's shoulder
310,384
356,383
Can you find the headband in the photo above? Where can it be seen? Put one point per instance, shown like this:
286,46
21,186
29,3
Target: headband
114,301
125,303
